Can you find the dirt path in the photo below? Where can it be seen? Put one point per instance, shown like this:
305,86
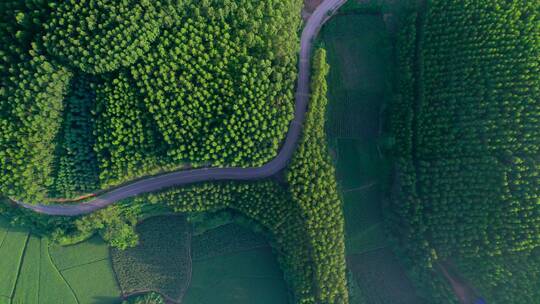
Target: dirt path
323,12
463,291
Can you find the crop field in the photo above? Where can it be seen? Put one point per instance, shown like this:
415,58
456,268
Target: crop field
87,268
39,280
225,239
12,245
28,273
359,78
360,86
246,277
161,262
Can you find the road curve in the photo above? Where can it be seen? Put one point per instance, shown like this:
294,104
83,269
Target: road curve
311,30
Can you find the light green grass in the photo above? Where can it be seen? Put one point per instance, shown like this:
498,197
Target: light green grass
53,287
11,251
39,281
93,283
248,277
92,250
27,288
28,274
87,269
359,54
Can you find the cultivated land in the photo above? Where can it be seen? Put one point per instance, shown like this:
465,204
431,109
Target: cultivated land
360,87
160,262
245,277
32,275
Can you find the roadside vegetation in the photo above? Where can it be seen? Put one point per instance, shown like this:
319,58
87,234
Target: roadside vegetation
92,94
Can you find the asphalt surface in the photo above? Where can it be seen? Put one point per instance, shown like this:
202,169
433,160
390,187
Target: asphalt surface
151,184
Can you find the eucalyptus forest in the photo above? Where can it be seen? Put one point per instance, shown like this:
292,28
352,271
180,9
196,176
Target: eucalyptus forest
99,96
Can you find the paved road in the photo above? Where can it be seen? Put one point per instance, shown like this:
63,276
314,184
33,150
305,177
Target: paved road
314,24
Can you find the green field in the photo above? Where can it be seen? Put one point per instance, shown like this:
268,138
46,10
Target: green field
88,270
29,274
360,86
225,239
245,277
12,245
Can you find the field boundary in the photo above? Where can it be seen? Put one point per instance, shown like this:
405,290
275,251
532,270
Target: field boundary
62,275
21,261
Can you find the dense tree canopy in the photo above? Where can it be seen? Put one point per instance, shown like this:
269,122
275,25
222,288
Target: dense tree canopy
466,124
139,87
99,36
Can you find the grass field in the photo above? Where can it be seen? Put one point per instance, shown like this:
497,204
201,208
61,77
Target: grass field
12,246
39,280
245,277
161,262
29,275
87,269
360,85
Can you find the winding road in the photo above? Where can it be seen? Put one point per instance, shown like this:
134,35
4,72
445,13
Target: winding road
323,12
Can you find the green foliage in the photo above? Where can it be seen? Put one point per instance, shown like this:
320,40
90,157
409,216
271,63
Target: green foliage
30,112
127,143
98,36
115,224
313,187
477,169
267,203
160,262
505,279
210,83
467,137
149,298
76,164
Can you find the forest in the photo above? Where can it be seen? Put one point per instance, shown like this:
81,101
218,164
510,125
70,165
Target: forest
96,93
466,127
303,217
137,88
